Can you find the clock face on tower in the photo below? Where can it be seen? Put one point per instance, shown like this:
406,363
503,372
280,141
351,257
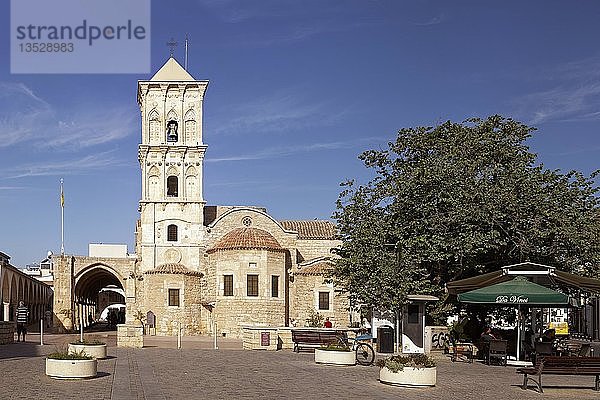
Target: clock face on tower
172,131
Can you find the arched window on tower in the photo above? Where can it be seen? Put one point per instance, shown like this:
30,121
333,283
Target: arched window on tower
190,127
153,188
191,184
154,127
172,186
172,233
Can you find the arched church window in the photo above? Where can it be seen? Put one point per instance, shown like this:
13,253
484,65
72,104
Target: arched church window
191,183
154,127
190,127
172,186
153,183
172,233
172,130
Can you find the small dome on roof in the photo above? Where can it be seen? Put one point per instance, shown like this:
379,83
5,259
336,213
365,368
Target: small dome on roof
247,238
172,268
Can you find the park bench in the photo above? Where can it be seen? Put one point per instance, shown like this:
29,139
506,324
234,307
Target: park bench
314,338
561,365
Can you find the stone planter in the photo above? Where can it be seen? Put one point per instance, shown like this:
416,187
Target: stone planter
71,369
409,376
92,350
335,357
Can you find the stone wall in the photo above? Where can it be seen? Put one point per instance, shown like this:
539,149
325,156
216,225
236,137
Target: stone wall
232,312
129,335
154,293
304,291
310,249
7,332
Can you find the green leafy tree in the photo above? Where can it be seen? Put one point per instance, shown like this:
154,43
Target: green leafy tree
457,200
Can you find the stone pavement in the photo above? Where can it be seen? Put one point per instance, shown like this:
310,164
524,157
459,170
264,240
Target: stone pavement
161,371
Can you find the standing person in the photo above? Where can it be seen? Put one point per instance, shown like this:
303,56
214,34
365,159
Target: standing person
22,315
327,323
48,317
487,334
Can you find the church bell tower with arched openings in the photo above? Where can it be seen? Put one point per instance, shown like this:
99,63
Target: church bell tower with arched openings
171,156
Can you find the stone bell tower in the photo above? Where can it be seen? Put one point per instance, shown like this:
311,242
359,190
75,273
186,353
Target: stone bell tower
171,156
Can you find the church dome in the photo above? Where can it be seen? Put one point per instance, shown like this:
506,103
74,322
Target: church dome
246,239
172,268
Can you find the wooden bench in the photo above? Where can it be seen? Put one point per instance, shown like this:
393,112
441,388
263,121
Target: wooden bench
314,338
565,365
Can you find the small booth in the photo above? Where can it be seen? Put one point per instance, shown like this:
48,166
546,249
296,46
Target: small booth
413,324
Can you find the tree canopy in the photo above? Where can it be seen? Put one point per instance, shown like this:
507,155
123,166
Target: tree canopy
457,200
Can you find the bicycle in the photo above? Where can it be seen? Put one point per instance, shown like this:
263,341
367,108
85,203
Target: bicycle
365,355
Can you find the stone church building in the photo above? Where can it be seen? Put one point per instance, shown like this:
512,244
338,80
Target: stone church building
199,264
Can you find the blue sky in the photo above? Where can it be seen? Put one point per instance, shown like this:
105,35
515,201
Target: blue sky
297,90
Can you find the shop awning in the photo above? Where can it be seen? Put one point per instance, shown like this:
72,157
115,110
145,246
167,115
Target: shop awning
538,273
517,291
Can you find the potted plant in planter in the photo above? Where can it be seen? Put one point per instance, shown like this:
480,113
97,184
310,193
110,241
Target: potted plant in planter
408,370
138,317
335,353
93,348
65,365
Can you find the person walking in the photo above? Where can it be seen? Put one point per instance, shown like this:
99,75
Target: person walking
22,316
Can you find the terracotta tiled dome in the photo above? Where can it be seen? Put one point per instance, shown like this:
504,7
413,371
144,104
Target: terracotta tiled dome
172,268
247,238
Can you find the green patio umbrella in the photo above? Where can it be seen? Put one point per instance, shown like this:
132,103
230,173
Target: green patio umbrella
515,292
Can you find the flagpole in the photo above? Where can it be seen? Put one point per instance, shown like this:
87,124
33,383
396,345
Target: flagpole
186,52
62,219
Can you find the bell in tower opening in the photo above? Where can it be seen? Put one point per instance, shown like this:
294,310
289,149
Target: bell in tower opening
172,131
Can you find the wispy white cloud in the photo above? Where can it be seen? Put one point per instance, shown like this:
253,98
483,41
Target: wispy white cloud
76,166
435,20
285,151
289,21
582,69
566,102
284,112
571,93
12,188
27,118
237,11
300,31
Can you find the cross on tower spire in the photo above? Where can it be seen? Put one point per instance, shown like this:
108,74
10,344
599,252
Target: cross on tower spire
172,44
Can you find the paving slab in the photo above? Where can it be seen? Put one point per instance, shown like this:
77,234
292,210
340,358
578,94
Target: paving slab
160,371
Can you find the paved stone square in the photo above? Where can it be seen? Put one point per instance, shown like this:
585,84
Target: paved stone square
161,371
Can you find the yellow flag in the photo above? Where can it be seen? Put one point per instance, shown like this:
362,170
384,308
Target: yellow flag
62,196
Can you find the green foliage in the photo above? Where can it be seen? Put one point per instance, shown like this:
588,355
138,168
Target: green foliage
65,355
398,362
139,315
89,342
458,200
336,347
314,320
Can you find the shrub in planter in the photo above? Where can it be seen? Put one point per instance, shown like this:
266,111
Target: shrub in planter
93,348
64,355
65,365
408,370
336,347
335,353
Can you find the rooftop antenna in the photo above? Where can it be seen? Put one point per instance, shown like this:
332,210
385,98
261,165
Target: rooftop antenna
172,44
186,52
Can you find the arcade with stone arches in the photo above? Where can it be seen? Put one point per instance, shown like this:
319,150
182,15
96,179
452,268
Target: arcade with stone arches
17,286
